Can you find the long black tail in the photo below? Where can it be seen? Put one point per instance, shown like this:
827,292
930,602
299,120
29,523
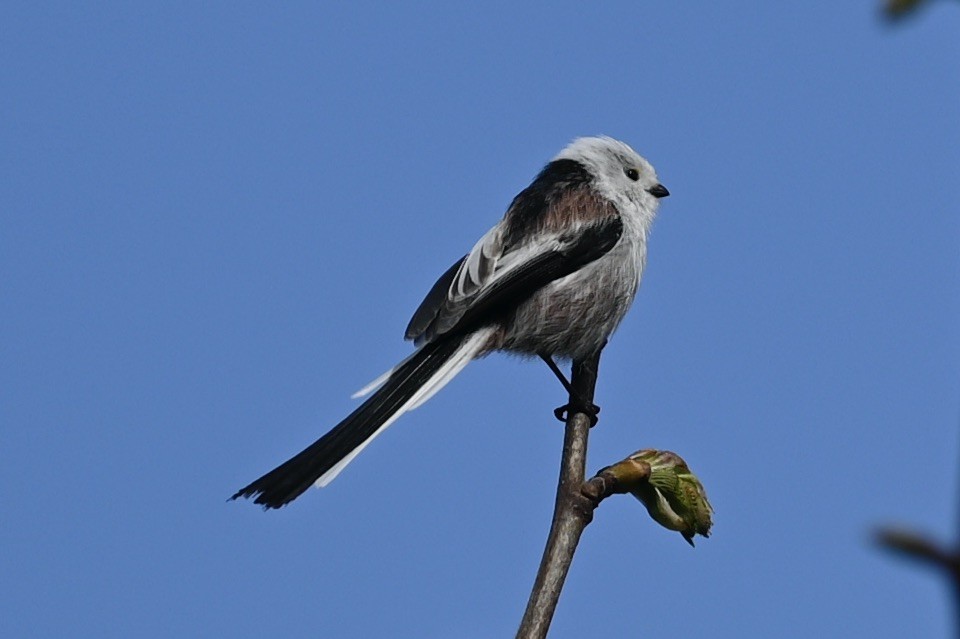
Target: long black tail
288,481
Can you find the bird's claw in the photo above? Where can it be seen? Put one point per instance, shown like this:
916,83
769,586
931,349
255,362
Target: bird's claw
589,409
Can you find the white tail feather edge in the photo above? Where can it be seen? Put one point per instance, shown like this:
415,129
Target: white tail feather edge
470,348
378,382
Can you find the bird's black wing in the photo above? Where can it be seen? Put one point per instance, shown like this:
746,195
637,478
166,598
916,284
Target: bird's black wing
430,306
490,281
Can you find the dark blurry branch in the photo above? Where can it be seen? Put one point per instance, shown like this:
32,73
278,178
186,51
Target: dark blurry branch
925,550
915,546
896,9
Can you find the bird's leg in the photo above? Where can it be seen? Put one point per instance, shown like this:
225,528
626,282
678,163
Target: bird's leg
576,404
556,371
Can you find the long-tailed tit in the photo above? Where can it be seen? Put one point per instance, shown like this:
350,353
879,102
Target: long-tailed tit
553,278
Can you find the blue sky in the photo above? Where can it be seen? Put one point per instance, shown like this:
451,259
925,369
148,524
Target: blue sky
217,220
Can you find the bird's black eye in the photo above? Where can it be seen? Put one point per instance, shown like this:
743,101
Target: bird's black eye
633,174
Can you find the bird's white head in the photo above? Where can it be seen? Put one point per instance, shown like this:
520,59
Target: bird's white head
620,174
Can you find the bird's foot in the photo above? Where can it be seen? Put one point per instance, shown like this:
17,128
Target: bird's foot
589,409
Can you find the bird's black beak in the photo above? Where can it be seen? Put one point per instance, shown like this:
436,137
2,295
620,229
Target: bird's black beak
658,191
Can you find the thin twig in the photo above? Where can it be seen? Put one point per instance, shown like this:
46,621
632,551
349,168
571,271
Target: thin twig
573,509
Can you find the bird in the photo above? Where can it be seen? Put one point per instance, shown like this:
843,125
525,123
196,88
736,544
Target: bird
552,279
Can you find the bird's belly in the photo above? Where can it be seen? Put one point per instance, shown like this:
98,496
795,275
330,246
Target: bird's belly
573,316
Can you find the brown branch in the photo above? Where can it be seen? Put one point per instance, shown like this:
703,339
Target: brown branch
660,479
606,482
573,509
